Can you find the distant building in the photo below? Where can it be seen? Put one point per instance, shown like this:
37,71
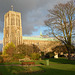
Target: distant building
44,44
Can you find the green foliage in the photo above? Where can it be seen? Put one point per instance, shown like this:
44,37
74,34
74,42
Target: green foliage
18,56
0,53
20,49
49,55
42,55
6,59
62,48
35,56
1,59
9,49
35,49
26,49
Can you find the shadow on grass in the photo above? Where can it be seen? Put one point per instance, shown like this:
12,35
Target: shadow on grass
42,64
4,70
62,61
53,71
43,70
49,71
11,70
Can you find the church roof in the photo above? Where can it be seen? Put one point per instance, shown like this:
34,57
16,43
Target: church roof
39,38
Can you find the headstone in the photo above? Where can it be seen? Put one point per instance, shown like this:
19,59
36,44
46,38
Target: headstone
47,62
56,56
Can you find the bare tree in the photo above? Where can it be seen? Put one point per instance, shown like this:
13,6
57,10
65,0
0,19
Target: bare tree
61,23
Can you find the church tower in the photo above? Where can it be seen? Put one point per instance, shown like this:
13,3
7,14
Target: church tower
12,28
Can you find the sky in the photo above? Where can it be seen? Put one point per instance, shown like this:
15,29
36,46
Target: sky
33,12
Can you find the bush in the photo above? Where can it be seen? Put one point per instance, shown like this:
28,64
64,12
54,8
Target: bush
35,56
9,49
0,53
6,59
1,59
42,55
49,55
18,56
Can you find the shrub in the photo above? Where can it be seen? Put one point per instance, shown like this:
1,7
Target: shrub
26,49
16,57
1,59
9,49
49,55
6,59
0,53
35,56
27,58
42,55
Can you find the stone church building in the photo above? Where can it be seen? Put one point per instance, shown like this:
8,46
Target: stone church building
12,28
13,33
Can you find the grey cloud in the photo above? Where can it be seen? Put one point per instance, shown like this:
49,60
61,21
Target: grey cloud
28,29
33,12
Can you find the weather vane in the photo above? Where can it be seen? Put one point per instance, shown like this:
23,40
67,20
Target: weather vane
12,7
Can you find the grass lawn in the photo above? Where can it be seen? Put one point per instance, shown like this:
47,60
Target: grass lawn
59,66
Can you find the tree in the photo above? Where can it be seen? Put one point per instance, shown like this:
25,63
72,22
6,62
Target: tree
59,49
62,48
35,48
61,24
9,49
21,49
24,49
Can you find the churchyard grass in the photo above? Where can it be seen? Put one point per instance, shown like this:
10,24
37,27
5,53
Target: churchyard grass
59,66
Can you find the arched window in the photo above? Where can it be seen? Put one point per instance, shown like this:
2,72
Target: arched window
12,19
17,20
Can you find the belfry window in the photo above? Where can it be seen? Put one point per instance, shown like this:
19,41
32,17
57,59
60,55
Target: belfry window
17,20
12,19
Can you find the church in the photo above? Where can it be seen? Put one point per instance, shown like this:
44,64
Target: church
13,33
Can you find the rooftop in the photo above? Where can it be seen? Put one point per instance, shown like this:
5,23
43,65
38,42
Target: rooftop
40,38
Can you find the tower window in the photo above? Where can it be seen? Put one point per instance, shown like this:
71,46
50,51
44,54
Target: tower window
17,20
12,19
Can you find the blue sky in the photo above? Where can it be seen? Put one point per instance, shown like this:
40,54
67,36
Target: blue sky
1,36
34,12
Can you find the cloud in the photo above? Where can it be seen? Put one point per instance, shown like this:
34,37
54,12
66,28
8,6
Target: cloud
33,12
